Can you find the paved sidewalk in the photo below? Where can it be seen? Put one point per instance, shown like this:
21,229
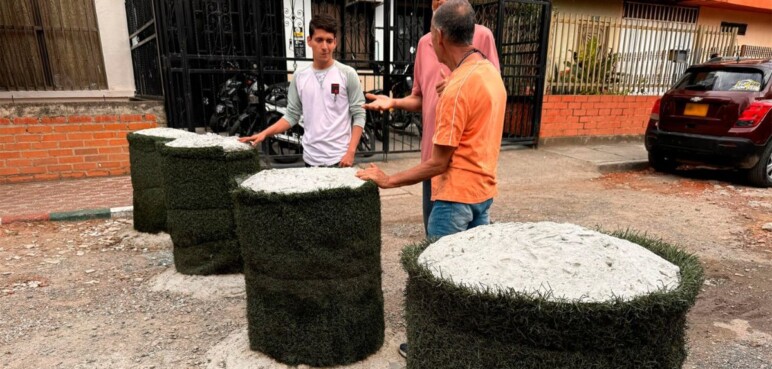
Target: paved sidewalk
106,197
64,200
607,157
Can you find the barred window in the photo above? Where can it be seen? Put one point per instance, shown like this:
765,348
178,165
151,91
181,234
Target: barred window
50,45
730,26
660,12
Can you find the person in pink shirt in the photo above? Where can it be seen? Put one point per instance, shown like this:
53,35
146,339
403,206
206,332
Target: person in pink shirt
429,77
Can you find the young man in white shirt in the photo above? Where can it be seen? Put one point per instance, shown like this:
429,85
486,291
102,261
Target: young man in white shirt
328,96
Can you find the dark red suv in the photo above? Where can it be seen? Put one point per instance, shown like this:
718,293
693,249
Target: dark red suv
718,114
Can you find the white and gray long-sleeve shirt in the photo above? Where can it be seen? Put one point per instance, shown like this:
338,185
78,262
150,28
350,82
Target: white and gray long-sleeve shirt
329,100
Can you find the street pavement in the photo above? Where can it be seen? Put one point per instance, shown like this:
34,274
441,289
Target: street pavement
105,197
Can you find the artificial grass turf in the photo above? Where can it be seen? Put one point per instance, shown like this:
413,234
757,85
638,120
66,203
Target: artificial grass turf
452,326
313,273
147,181
197,183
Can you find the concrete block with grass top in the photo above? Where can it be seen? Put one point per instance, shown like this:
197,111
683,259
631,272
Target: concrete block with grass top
311,241
147,177
199,173
547,295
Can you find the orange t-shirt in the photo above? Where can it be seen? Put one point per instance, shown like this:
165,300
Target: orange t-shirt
470,117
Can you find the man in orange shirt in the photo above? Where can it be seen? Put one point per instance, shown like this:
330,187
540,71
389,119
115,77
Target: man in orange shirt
469,126
429,80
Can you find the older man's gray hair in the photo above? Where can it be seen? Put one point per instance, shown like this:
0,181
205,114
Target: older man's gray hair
455,19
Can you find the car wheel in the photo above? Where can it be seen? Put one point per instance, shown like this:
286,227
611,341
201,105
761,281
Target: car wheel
761,174
661,163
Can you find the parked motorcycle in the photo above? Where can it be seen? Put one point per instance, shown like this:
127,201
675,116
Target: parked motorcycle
236,109
401,86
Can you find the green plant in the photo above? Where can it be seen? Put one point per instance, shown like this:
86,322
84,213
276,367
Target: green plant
591,71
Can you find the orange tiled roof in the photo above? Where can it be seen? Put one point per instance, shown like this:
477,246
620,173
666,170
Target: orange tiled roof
749,5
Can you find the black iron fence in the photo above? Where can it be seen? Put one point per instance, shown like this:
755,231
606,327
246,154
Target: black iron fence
205,43
521,29
143,39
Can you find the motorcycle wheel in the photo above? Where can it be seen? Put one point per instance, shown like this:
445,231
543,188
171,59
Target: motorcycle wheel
367,142
374,122
217,122
235,128
280,151
400,120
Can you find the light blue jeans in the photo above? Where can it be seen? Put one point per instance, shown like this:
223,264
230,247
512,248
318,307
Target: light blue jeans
452,217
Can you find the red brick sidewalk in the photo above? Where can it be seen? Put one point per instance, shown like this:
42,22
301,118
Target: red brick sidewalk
64,196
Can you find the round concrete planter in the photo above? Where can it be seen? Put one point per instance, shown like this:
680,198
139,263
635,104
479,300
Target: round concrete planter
199,206
147,181
313,273
451,326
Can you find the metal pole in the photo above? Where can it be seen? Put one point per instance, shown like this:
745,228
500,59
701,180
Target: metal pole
539,98
182,22
386,72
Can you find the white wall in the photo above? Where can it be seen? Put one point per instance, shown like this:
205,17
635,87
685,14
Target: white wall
114,33
603,8
114,36
305,7
759,32
302,13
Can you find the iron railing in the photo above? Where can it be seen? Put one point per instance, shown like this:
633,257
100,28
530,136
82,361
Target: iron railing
143,39
630,56
201,43
521,29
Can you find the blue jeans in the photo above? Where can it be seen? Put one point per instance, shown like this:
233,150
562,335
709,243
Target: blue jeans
427,203
452,217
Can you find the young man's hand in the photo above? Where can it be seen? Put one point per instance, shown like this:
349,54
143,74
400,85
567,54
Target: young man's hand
375,174
347,160
254,139
379,103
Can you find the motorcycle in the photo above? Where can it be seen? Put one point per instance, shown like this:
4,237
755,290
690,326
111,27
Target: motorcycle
286,147
237,104
401,86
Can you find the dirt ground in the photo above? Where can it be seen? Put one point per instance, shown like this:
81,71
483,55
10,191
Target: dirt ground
96,294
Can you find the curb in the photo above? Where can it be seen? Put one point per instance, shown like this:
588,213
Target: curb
105,213
621,166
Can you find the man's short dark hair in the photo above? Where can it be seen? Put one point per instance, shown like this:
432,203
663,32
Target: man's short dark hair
455,19
324,22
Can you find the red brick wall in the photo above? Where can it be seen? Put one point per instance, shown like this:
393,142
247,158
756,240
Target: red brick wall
49,147
595,115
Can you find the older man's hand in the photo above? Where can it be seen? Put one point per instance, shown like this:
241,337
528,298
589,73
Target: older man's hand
379,102
375,174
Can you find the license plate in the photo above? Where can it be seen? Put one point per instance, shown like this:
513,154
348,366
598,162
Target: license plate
696,110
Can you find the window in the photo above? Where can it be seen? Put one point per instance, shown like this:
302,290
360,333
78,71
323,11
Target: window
665,13
722,80
54,45
729,26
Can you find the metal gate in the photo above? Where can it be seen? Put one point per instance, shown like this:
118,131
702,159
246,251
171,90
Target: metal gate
521,29
144,49
204,42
